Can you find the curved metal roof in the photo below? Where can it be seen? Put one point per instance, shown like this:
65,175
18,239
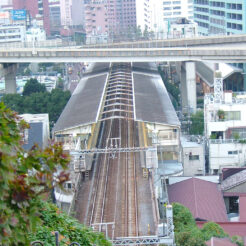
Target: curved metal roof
84,104
152,102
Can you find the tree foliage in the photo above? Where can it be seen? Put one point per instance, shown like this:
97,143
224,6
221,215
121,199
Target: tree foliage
182,218
212,229
172,89
186,231
197,123
190,238
33,86
39,102
70,229
24,177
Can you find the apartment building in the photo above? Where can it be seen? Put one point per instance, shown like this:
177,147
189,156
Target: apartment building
38,10
124,16
164,13
175,9
220,17
225,128
96,21
12,33
55,16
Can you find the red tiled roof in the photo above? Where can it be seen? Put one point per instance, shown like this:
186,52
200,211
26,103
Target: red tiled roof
214,241
202,197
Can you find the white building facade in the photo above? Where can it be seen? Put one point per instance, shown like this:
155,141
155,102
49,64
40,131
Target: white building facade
225,129
143,14
166,12
193,157
174,9
12,33
66,12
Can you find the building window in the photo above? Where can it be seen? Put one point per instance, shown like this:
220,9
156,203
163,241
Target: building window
193,157
233,152
232,115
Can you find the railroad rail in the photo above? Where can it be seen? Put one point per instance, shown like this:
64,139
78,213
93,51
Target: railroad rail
116,185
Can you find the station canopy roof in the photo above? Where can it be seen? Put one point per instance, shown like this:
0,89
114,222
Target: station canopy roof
83,106
151,100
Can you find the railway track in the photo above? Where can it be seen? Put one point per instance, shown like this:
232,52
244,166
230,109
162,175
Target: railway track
113,207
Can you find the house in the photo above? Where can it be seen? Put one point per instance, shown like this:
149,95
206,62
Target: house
203,198
193,157
39,131
233,186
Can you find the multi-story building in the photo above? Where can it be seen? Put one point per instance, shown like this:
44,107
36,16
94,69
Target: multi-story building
125,16
12,33
72,12
224,16
166,12
5,2
96,21
66,13
225,128
38,9
55,16
173,10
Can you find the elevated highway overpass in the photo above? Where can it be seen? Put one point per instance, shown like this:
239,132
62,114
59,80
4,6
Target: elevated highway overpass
228,53
226,49
217,48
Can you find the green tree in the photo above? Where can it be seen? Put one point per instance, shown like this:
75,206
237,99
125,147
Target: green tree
212,229
33,86
189,238
57,101
60,83
187,232
14,101
172,89
182,218
24,177
70,229
238,240
197,123
40,102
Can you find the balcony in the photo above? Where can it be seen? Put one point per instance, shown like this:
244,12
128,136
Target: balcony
227,141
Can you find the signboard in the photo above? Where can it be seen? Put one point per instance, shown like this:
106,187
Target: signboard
18,14
4,15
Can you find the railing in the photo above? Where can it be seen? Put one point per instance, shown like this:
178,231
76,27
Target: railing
39,243
141,43
236,98
144,240
225,141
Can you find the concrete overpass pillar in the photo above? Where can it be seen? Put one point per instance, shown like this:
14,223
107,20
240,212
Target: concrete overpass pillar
188,87
9,71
